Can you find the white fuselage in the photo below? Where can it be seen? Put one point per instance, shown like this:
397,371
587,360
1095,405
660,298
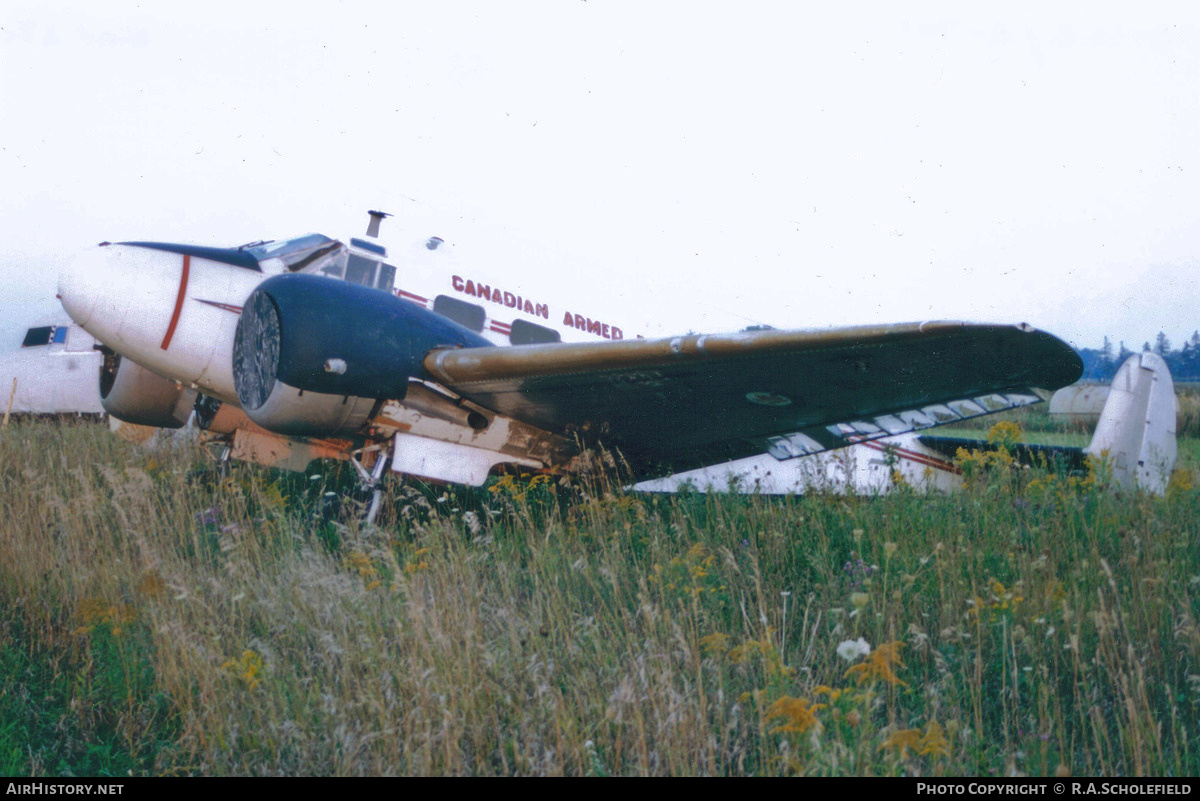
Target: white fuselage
55,375
176,314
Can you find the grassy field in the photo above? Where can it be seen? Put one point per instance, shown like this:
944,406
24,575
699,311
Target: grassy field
159,620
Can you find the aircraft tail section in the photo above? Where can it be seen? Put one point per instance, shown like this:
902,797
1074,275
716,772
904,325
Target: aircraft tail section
1136,431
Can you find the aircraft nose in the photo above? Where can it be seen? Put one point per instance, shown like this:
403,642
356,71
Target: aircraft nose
84,282
132,296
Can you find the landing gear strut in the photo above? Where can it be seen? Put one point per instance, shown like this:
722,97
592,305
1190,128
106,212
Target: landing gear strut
370,482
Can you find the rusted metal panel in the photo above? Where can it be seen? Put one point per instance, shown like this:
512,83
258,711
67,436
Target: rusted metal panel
462,366
285,453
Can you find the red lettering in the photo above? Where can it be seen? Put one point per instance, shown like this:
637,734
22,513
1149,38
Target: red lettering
604,331
568,320
617,333
512,301
580,322
593,326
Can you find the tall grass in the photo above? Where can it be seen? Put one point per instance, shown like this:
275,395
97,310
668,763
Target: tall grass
161,620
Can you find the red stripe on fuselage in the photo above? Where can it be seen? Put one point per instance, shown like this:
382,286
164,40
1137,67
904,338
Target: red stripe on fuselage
183,282
410,296
229,307
914,456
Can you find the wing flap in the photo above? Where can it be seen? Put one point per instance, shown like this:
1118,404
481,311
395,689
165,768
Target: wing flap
852,432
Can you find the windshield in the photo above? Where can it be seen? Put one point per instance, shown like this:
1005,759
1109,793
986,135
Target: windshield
308,252
277,249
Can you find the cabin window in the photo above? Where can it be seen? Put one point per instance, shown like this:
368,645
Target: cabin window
527,333
360,270
387,277
41,336
468,315
60,333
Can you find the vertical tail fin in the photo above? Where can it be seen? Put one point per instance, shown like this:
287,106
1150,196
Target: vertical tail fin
1137,427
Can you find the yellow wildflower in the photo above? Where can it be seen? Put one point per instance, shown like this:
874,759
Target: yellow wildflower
1179,482
151,585
246,668
903,740
418,561
715,643
934,741
931,742
834,693
878,665
1006,434
798,714
94,611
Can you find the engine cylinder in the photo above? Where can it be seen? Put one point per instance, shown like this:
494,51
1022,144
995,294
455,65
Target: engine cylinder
315,356
136,395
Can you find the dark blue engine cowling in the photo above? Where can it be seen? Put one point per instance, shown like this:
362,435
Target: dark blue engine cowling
301,335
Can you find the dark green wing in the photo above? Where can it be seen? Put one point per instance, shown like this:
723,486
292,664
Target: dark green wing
700,399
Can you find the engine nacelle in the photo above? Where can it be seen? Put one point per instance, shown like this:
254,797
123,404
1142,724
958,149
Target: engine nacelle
317,356
136,395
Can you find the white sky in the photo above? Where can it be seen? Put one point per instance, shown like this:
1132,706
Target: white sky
797,164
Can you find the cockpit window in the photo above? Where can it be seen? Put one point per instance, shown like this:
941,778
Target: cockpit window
387,277
360,270
278,249
311,253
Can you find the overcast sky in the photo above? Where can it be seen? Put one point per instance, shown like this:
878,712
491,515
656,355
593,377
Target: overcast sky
803,165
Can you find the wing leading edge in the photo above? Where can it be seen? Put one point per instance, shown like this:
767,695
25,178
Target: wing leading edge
700,399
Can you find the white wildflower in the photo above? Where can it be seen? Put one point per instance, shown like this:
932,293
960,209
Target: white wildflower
851,650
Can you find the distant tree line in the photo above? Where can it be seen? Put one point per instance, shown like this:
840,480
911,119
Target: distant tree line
1101,364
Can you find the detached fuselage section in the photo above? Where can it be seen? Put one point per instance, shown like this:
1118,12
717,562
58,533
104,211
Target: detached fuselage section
53,372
